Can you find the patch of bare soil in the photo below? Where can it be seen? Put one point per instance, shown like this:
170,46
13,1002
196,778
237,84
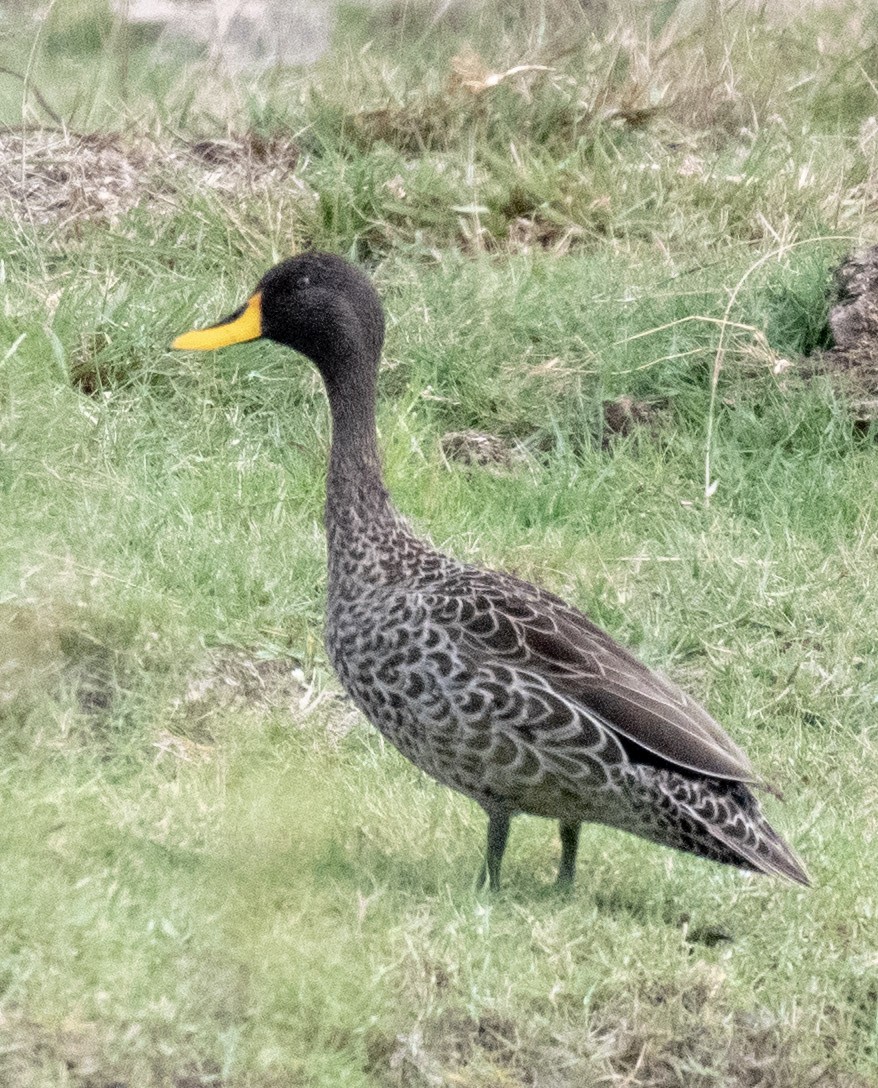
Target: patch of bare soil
31,1053
46,651
852,363
625,415
751,1050
674,1040
444,1051
57,178
478,448
231,678
29,652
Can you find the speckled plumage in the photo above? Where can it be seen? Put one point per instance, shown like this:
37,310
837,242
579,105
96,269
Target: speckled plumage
493,686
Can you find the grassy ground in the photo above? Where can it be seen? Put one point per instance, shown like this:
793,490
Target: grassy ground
214,872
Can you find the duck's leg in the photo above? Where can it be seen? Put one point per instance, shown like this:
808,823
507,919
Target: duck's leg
569,846
498,834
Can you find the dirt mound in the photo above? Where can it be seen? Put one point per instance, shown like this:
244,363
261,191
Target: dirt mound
51,177
852,363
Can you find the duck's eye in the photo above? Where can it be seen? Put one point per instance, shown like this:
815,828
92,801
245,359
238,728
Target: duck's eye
303,281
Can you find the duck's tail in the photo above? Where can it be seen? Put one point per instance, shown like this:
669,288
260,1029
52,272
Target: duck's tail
716,819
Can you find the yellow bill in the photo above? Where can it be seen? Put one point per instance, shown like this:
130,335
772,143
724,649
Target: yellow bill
244,324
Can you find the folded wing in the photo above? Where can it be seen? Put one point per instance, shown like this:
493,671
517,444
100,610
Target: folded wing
506,620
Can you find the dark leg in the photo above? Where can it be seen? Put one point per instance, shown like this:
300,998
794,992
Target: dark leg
569,846
498,833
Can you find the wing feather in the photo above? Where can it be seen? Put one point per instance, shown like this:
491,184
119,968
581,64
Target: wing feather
500,618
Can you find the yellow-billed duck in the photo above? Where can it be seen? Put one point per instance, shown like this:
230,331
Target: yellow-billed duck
494,687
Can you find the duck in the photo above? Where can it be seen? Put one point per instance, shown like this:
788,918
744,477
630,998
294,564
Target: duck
493,686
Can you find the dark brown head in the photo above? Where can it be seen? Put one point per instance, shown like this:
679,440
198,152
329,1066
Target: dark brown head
318,304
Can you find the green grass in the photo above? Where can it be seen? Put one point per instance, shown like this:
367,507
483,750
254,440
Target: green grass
213,871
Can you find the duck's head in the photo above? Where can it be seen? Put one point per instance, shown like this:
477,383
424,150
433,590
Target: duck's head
316,303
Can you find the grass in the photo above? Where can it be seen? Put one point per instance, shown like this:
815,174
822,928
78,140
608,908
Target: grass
214,872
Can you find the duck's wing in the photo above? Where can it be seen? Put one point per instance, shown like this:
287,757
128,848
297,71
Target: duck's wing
495,618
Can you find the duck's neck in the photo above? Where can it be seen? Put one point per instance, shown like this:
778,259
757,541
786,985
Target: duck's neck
369,544
355,492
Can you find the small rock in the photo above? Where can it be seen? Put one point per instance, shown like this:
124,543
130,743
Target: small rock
855,315
851,365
